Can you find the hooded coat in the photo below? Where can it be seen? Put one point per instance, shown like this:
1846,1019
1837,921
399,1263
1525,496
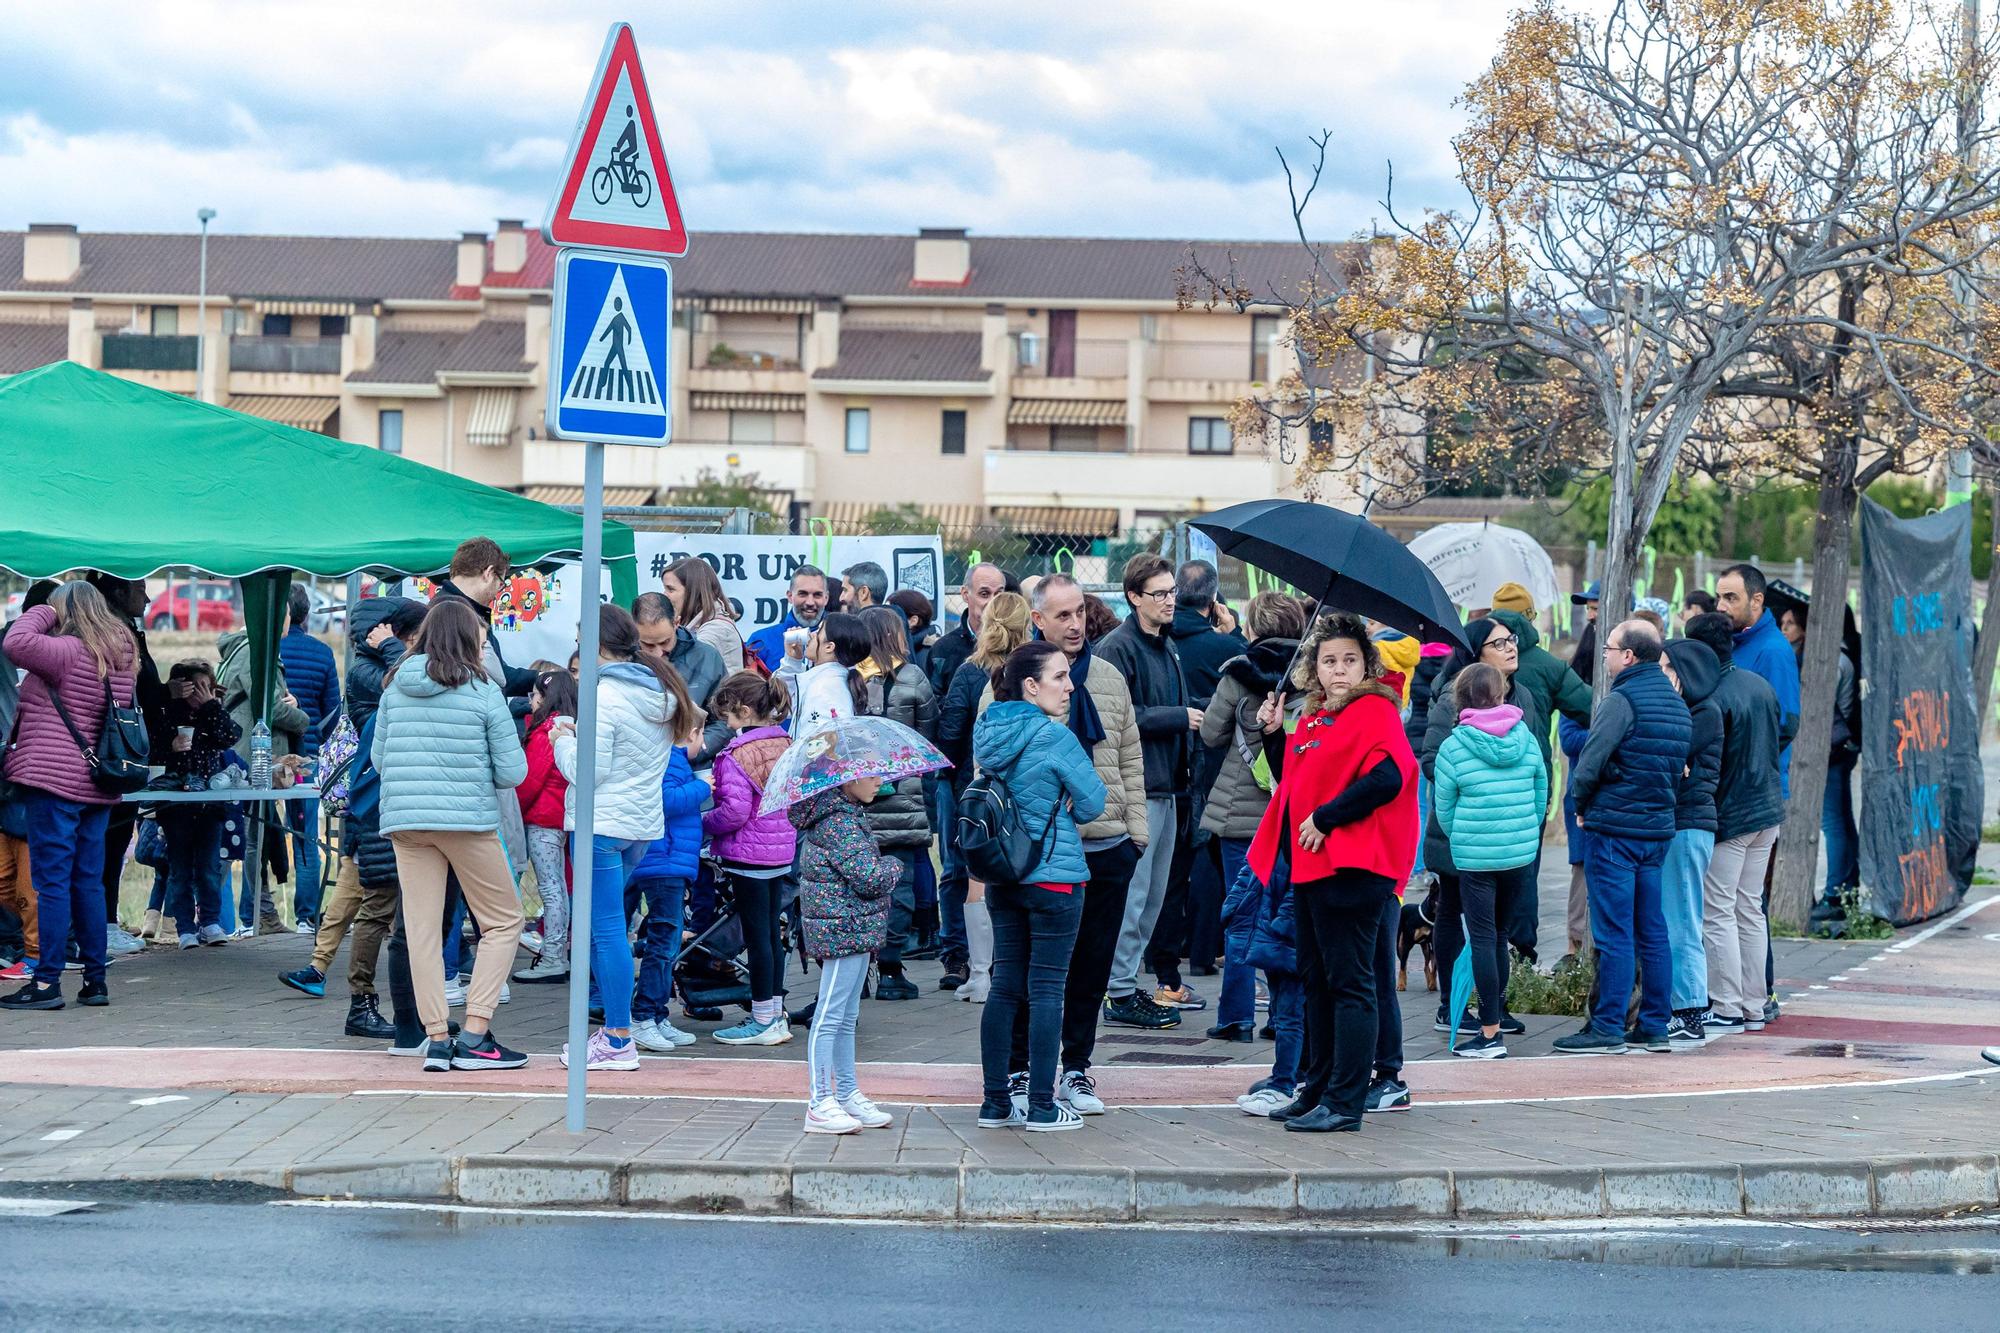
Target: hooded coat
1442,723
1490,790
1699,673
1763,651
1236,802
845,882
1049,777
1556,688
1203,650
741,835
676,853
371,664
634,742
443,753
288,721
701,669
1749,795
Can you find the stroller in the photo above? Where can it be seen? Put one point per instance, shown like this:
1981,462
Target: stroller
710,972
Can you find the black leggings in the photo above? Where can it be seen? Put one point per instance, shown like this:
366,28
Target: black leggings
757,908
1338,920
1484,899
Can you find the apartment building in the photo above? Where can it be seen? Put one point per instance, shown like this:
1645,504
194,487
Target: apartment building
1051,384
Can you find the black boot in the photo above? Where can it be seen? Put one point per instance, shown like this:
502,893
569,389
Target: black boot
365,1020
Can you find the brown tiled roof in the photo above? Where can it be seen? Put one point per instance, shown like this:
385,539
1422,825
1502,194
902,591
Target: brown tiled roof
900,354
25,346
407,358
340,267
493,345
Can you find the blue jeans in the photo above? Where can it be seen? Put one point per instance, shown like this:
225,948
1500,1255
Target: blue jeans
830,1044
1836,826
1288,1020
666,905
1681,901
194,848
1630,929
454,938
1034,934
66,861
303,819
1238,1002
611,863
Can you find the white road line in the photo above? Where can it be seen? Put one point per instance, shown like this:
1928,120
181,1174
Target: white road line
43,1207
1939,927
60,1135
158,1101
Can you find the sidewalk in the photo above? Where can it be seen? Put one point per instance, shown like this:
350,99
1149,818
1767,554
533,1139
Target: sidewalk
1825,1113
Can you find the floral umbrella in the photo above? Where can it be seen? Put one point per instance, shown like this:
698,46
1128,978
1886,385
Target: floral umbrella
843,750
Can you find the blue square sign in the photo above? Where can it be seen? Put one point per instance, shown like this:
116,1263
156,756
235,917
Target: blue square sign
611,349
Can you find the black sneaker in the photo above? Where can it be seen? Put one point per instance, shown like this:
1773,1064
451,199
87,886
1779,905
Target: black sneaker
437,1056
1590,1042
1653,1043
1388,1094
365,1020
1057,1117
1467,1022
485,1053
1773,1011
955,975
1684,1032
1479,1047
34,996
1233,1032
1136,1011
309,980
94,994
999,1117
1511,1026
1716,1025
896,986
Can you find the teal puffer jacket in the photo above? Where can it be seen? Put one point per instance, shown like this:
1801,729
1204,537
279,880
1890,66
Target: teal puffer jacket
443,751
1490,790
1046,771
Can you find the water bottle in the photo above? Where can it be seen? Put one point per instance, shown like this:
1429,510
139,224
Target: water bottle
260,757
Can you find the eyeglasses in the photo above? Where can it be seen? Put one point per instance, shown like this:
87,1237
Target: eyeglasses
1502,640
1616,648
1160,595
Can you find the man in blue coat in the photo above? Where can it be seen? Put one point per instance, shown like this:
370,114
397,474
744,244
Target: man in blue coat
1626,789
805,605
314,681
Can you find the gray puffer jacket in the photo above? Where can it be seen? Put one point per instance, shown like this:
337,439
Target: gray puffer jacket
898,818
1236,802
443,752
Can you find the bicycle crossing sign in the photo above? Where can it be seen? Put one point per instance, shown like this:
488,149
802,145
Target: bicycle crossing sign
611,349
615,192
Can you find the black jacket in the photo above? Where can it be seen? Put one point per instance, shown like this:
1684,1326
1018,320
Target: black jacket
1846,713
515,682
371,665
1699,671
1152,671
1627,779
956,714
947,654
1203,649
1749,797
1423,688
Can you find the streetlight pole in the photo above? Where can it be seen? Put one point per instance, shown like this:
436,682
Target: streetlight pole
204,216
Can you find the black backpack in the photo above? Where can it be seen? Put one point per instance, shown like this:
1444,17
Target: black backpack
996,844
118,764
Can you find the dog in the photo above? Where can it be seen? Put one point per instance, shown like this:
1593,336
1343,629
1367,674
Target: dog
1414,932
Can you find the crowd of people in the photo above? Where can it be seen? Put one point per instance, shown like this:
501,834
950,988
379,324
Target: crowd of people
1264,798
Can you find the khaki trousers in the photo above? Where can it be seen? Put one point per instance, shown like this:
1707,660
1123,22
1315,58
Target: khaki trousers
18,891
423,858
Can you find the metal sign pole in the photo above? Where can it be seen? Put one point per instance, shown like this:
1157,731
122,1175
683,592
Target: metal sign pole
585,785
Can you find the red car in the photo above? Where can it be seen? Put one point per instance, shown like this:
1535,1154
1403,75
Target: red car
214,598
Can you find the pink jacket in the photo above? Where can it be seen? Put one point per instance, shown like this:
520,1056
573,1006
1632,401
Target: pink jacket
739,833
44,755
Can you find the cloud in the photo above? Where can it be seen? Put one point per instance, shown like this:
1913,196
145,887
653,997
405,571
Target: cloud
396,118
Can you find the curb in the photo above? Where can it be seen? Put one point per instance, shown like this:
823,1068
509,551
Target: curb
1916,1186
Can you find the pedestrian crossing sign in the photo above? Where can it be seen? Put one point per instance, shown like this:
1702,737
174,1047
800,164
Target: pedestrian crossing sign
611,359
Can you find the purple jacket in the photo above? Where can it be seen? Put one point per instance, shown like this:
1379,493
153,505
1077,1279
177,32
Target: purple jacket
44,755
737,831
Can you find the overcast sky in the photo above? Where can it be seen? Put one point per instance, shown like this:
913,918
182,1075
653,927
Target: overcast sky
421,117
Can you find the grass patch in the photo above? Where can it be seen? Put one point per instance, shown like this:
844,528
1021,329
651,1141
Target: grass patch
1562,992
1990,833
1984,876
1863,924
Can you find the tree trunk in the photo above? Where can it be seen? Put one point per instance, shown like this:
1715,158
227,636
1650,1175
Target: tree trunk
1795,884
1989,621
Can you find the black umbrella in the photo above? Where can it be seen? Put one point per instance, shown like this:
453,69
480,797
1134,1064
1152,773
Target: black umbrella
1780,597
1340,558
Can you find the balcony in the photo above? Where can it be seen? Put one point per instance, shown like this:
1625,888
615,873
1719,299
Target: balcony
777,467
149,351
754,350
294,356
1167,483
1091,358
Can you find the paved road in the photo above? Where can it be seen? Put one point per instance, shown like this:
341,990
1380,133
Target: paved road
203,1265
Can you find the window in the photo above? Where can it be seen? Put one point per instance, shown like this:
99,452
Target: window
390,432
166,319
332,326
1062,343
1263,328
1209,435
277,326
232,321
857,430
952,441
753,427
1073,439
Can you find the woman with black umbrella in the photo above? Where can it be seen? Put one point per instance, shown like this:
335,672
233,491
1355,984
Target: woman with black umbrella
1345,817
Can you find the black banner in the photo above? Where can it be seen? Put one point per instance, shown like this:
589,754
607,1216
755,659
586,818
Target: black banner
1923,789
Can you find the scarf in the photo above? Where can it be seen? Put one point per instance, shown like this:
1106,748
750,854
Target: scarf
1084,722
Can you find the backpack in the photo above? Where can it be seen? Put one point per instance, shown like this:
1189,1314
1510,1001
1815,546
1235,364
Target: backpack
337,767
992,838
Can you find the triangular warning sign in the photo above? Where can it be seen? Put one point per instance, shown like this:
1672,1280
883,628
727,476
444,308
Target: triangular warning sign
615,373
615,192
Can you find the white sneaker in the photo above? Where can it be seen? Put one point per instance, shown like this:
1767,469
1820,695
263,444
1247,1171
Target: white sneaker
118,940
454,995
531,940
190,941
673,1034
648,1037
1080,1091
305,928
1264,1101
212,934
866,1113
826,1117
547,969
506,996
462,980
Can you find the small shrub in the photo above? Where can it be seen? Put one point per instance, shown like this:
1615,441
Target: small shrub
1563,992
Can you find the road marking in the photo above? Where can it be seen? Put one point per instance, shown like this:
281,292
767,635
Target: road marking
158,1101
1937,927
60,1135
43,1207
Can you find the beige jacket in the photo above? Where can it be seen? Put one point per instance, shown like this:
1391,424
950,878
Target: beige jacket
1117,758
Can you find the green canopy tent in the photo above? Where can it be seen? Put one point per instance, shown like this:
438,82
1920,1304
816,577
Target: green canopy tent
99,473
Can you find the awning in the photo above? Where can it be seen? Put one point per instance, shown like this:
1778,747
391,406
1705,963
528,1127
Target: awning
746,402
492,420
288,409
288,306
944,515
749,305
1065,412
1056,519
622,496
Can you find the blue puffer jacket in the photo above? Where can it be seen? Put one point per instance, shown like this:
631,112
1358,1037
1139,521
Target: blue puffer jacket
1490,790
1047,771
676,854
314,681
443,752
1627,779
1274,940
1763,651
